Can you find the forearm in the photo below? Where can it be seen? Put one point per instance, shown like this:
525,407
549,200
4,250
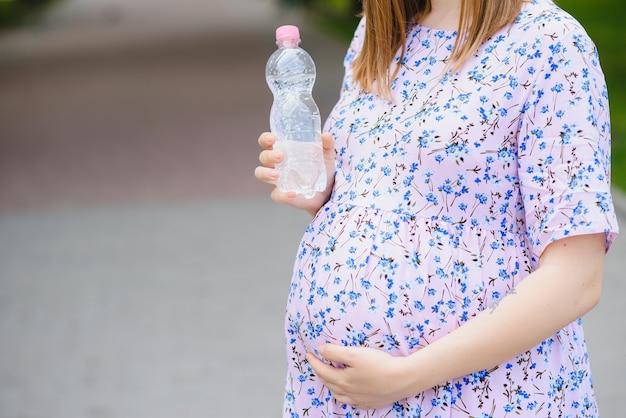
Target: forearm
559,292
565,286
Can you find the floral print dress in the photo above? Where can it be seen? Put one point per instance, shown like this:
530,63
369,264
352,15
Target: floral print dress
444,199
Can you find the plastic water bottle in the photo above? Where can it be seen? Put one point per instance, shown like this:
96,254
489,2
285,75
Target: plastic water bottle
295,118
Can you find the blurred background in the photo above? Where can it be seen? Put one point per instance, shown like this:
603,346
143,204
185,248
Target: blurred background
143,269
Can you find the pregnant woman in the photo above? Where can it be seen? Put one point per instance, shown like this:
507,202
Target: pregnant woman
463,231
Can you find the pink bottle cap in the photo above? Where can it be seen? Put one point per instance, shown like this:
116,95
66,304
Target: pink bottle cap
287,31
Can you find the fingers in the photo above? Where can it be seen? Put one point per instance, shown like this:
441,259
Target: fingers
315,362
331,376
266,174
324,371
282,197
268,158
336,353
266,140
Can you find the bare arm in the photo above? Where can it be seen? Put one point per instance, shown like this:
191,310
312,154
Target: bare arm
565,287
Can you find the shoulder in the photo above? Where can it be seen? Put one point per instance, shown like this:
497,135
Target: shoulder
359,36
546,35
356,45
545,19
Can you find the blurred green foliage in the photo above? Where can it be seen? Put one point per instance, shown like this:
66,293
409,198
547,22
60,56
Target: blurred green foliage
336,17
603,20
16,12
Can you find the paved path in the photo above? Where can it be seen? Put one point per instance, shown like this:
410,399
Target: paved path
143,271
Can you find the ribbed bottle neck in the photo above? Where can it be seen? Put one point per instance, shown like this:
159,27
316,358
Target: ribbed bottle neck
288,43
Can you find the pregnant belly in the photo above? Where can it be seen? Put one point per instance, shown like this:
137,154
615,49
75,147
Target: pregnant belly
366,277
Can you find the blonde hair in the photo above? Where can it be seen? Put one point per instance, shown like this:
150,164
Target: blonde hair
386,31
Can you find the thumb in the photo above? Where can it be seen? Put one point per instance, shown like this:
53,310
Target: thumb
328,142
328,147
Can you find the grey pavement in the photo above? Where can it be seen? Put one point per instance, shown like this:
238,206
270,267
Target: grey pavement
143,271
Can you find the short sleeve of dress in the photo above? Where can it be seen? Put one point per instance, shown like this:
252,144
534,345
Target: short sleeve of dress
564,146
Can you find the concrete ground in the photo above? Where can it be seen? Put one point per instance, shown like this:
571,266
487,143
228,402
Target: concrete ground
143,271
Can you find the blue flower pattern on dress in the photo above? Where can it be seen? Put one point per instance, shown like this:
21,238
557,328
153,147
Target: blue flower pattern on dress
444,199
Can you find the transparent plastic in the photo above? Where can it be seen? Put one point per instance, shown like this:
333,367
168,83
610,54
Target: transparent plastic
294,117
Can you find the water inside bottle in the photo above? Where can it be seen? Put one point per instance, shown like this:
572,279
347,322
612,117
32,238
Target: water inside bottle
302,170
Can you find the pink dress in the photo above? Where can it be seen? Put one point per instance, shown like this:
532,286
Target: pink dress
443,202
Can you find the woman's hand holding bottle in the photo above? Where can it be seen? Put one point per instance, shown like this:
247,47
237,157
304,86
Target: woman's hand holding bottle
267,173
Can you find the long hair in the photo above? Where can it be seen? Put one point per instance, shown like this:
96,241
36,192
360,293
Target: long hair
386,31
